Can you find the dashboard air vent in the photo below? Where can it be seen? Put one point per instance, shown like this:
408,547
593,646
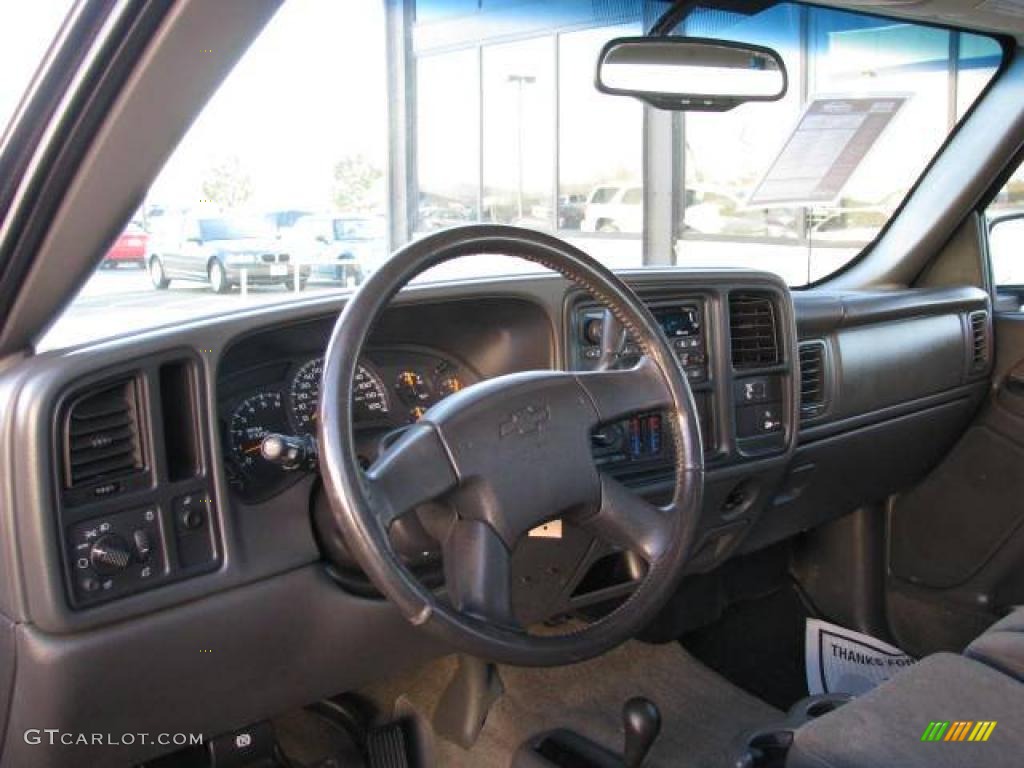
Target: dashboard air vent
979,341
102,435
755,340
812,379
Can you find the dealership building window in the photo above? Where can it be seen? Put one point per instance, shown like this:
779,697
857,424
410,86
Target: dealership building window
538,146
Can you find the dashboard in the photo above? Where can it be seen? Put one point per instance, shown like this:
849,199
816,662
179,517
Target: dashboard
148,528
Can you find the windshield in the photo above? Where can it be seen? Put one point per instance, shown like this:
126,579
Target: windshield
232,229
23,44
503,124
358,229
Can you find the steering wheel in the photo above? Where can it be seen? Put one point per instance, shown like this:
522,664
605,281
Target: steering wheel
510,454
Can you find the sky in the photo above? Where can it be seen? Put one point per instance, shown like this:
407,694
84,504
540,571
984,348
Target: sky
310,90
26,30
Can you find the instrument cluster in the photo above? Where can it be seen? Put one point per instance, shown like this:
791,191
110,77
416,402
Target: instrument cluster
393,389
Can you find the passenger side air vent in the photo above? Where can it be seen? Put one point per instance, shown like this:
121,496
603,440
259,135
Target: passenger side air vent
102,435
812,379
980,342
755,340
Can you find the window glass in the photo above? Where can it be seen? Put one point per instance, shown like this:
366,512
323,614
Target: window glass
977,58
25,35
1006,232
284,185
447,139
600,138
923,77
519,133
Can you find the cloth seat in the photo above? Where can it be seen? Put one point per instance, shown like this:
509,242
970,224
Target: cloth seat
884,728
1002,645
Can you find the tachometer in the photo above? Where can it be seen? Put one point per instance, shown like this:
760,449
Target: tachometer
251,421
370,397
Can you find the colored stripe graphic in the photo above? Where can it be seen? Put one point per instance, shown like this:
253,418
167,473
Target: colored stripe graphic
983,730
959,730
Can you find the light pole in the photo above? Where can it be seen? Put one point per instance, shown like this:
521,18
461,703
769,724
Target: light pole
520,81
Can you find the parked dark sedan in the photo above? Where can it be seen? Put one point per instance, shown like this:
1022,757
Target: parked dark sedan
226,251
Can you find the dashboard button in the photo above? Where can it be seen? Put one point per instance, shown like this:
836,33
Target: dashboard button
143,544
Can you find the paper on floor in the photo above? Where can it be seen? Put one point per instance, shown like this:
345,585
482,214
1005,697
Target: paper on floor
840,660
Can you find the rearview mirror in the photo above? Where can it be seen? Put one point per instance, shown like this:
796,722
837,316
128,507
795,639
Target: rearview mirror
690,73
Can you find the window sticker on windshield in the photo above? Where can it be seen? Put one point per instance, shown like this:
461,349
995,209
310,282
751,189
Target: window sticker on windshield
830,141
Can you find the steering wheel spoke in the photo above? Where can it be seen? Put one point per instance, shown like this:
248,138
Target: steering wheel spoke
619,393
414,470
629,522
478,572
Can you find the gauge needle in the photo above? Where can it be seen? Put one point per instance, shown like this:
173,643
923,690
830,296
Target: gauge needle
254,449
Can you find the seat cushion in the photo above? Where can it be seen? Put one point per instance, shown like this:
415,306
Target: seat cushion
1002,645
884,728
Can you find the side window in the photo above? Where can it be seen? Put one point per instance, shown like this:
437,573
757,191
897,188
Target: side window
633,196
1006,234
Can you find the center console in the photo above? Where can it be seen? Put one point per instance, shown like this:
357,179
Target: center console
637,444
733,339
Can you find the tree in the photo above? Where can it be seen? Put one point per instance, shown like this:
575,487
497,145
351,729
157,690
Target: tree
227,184
355,179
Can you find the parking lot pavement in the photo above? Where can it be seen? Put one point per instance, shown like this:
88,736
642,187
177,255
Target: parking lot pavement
122,300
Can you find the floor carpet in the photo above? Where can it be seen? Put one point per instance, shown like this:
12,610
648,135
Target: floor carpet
704,717
759,646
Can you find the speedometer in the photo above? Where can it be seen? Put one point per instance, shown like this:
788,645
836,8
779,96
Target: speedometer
370,397
253,419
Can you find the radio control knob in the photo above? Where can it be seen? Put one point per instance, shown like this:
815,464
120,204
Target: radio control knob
110,554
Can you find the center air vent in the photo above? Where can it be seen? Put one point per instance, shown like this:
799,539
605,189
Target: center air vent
755,340
979,341
812,379
102,435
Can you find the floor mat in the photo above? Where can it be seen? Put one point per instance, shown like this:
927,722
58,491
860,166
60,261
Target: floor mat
759,646
704,717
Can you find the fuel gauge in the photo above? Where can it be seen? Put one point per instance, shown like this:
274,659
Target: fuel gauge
449,385
412,388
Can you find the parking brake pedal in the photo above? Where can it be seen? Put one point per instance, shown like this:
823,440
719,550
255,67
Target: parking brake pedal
386,747
464,705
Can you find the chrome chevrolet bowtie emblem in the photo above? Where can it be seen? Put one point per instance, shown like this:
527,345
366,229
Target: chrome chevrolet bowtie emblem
525,421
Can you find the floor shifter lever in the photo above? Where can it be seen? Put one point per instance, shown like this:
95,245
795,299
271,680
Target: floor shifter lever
563,748
642,723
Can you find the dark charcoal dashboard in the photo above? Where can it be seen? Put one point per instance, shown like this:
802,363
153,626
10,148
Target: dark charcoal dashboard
161,531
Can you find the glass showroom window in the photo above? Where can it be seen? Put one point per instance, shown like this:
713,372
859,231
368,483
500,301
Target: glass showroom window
519,133
448,139
724,156
600,143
